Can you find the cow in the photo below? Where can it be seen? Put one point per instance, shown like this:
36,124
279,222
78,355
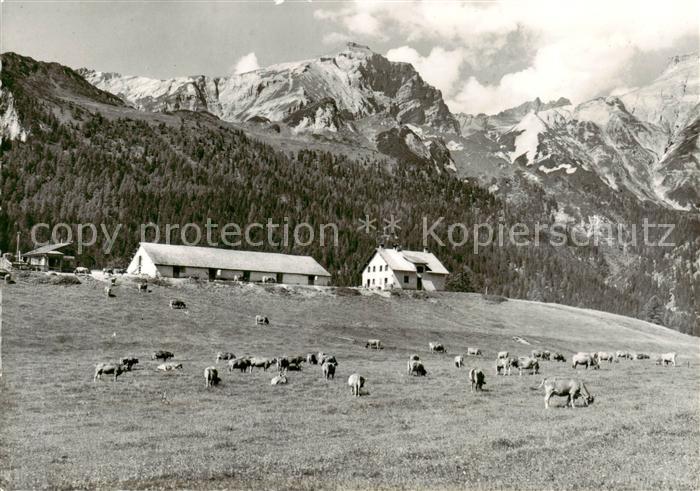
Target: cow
294,367
459,361
411,359
473,352
258,362
437,348
504,365
280,379
605,356
119,271
261,320
667,358
416,368
128,362
241,364
642,356
558,357
162,355
584,359
571,388
527,363
142,287
107,271
211,377
311,359
356,382
623,355
224,355
169,366
81,270
503,354
476,377
176,304
543,355
108,292
328,370
328,359
374,344
282,363
108,369
297,359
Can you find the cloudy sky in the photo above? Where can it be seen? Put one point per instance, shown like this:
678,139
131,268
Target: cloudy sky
484,56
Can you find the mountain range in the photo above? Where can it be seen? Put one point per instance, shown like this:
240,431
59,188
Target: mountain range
643,143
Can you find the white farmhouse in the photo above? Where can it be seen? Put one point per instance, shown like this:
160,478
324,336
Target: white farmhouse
410,270
209,263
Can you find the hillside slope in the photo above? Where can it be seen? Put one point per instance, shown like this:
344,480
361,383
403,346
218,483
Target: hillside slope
151,429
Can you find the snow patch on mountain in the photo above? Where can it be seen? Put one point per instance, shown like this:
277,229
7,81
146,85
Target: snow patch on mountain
528,137
10,127
566,167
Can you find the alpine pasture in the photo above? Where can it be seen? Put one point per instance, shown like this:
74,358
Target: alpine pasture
59,429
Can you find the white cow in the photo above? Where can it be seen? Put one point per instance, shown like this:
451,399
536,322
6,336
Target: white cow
459,361
356,382
571,388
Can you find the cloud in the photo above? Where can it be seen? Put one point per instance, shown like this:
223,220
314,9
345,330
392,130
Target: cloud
336,38
441,68
577,49
246,63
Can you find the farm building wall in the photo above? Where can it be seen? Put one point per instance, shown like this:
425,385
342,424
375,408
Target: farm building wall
433,282
147,267
377,274
302,279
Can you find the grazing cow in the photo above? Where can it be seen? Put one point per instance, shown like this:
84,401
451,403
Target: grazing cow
176,304
412,359
311,359
108,369
81,270
476,377
282,363
623,354
416,368
107,271
224,355
459,361
328,370
605,356
504,365
584,359
527,363
543,355
261,320
241,364
328,359
280,379
211,376
558,357
294,367
258,362
142,287
642,356
667,358
108,292
356,382
503,354
297,359
374,344
128,362
169,366
437,348
571,388
473,352
162,355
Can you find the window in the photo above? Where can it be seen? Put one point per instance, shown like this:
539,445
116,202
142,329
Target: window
420,269
385,280
405,278
374,268
380,268
373,281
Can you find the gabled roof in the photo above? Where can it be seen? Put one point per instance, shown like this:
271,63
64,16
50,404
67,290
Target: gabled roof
400,260
211,257
48,249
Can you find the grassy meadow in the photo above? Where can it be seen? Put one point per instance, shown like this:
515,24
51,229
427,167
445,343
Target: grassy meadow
58,429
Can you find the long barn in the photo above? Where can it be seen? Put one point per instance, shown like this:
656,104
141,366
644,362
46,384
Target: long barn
209,263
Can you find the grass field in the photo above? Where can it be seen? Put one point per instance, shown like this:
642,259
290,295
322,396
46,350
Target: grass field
58,429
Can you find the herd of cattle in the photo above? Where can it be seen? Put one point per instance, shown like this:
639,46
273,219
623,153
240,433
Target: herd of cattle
571,388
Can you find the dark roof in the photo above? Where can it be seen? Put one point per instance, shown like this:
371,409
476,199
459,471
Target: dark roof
48,249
